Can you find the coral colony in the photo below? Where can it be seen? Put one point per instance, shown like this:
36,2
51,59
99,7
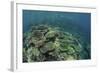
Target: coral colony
45,43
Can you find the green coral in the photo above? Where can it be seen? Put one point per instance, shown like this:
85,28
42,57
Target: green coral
46,43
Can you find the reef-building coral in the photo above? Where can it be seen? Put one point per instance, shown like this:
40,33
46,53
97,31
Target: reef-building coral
46,43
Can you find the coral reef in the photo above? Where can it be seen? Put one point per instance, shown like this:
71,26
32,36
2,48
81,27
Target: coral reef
46,43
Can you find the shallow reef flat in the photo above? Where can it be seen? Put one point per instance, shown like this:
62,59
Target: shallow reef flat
46,43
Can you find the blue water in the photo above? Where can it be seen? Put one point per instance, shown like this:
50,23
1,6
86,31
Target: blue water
74,22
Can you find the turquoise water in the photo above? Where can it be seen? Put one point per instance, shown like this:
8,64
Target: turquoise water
68,21
76,23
